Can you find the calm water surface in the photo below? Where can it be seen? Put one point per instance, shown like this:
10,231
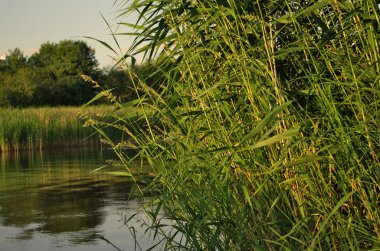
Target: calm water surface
52,201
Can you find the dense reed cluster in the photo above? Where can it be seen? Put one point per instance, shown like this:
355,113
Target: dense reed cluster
36,128
265,132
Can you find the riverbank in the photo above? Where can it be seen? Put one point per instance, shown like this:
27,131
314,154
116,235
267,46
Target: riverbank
38,128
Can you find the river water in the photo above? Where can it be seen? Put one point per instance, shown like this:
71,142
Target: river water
52,201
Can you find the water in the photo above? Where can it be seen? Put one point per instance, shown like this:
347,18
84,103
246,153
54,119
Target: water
52,201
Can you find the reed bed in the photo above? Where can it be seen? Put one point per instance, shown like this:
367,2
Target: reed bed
37,128
265,131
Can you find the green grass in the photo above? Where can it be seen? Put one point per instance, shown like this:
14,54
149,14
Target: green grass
265,132
37,128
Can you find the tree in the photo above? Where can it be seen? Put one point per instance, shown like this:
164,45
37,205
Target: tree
52,76
15,80
13,61
60,66
17,89
122,82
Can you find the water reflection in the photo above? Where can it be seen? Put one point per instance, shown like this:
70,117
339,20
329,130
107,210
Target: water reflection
55,194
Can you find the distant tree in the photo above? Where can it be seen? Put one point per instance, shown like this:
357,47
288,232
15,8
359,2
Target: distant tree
13,61
15,81
52,76
17,89
119,81
59,67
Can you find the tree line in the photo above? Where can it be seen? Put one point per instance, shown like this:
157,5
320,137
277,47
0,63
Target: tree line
52,76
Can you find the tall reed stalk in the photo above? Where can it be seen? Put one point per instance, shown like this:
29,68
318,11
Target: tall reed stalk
265,134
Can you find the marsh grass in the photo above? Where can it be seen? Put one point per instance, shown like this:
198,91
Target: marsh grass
37,128
265,134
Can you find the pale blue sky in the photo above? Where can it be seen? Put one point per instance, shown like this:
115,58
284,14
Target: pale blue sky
27,24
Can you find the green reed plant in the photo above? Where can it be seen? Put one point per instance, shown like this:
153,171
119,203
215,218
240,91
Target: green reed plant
265,132
35,128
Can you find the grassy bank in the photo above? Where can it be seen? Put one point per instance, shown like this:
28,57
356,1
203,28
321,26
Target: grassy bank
36,128
266,128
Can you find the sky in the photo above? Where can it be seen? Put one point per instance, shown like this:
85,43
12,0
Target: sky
26,24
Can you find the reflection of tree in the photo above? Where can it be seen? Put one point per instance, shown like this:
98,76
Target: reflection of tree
66,206
67,200
68,211
18,209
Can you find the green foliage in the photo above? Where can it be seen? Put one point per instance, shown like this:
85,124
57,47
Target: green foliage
59,68
36,128
15,84
51,76
122,82
265,131
13,61
18,88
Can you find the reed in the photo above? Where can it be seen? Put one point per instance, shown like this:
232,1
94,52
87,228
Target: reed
265,131
37,128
